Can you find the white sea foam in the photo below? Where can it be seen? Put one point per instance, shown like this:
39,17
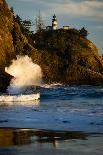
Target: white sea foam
25,73
53,85
19,98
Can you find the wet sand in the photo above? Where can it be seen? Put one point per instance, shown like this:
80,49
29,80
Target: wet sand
15,141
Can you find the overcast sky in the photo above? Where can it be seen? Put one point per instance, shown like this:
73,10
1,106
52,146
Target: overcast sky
75,13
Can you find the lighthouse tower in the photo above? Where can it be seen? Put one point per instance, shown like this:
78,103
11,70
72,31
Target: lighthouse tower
54,23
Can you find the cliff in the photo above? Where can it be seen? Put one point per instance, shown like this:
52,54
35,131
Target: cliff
69,58
64,55
6,40
12,42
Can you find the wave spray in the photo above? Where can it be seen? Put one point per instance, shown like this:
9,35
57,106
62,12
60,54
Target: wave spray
25,74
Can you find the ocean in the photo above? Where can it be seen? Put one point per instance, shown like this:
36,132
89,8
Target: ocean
66,120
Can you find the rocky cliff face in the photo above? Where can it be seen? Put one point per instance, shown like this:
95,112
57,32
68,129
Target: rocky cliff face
12,42
69,58
63,55
6,40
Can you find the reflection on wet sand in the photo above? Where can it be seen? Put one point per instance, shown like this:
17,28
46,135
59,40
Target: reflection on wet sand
12,137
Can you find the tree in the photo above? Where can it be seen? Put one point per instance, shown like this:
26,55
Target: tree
18,19
27,24
83,32
39,24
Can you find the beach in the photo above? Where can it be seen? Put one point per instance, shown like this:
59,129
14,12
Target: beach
30,141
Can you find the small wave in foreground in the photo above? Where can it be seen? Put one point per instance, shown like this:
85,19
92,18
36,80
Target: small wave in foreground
19,98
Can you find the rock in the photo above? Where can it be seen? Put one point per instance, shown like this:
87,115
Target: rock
12,43
69,58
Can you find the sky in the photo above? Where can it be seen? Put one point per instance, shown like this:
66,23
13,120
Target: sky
74,13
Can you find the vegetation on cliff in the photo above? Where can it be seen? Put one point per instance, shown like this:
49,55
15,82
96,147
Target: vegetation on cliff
65,56
69,57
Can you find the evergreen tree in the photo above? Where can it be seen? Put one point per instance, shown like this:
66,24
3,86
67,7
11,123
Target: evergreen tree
18,20
27,24
39,24
83,32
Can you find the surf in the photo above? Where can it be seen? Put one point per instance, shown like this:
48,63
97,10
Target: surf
26,77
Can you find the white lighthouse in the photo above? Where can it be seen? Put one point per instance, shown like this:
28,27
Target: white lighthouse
54,23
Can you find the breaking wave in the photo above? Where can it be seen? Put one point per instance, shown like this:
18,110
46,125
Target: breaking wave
25,73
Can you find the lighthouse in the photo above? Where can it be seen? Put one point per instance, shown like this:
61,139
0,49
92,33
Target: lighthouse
54,23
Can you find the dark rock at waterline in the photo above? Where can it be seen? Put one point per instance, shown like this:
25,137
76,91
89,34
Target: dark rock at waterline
64,55
3,121
65,121
5,79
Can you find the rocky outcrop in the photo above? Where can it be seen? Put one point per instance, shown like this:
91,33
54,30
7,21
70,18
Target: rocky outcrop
12,42
6,40
69,58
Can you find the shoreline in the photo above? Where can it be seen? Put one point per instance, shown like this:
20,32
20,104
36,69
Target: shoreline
16,141
9,135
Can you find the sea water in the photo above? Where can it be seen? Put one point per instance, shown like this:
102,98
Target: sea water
60,108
